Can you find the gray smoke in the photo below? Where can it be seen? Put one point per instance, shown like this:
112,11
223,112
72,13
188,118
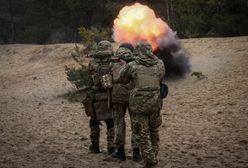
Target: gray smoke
175,58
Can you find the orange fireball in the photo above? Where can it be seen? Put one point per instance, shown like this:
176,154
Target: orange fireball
139,22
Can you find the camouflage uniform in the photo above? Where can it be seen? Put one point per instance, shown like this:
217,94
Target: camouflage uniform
120,97
145,73
99,96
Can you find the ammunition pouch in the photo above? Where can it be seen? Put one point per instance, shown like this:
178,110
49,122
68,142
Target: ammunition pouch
163,90
102,111
100,96
101,106
147,81
145,101
89,111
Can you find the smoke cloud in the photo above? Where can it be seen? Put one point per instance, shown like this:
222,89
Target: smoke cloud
139,22
175,58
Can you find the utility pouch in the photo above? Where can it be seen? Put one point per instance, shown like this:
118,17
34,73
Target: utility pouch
89,111
102,111
163,90
107,81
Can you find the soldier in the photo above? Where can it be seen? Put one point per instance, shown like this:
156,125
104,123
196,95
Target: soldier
100,70
120,96
146,74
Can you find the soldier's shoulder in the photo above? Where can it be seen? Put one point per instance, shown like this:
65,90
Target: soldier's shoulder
133,63
92,65
160,65
160,62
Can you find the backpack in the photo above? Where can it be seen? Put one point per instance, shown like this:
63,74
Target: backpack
104,72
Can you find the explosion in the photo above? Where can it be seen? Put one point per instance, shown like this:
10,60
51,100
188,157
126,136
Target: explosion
139,22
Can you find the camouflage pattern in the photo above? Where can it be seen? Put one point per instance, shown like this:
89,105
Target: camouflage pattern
103,49
98,94
124,54
146,130
145,74
97,67
120,92
119,111
110,132
155,121
95,131
120,98
87,102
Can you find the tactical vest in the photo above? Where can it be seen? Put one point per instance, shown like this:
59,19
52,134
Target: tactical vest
101,70
102,77
146,78
145,96
120,92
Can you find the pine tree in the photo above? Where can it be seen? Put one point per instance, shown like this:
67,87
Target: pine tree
80,77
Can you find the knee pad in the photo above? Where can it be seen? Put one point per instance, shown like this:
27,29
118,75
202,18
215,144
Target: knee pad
110,123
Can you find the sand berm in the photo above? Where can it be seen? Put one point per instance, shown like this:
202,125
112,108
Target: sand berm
205,121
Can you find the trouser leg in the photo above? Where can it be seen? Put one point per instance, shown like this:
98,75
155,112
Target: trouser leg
154,134
120,130
134,141
155,121
94,135
142,130
133,136
120,126
94,130
110,132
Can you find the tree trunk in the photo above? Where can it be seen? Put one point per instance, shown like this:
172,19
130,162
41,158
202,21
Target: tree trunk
12,22
167,11
171,13
13,30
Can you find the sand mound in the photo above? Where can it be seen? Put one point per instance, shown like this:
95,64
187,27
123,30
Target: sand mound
204,120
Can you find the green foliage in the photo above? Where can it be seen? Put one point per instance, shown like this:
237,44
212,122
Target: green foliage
87,35
80,77
90,37
53,21
78,55
201,18
93,35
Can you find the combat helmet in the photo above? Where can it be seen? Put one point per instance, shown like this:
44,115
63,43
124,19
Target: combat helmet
127,46
143,47
103,49
124,52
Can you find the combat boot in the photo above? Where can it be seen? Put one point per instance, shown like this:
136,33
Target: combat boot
136,155
94,147
111,150
120,154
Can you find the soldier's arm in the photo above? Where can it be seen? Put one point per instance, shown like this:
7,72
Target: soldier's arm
161,70
125,74
91,67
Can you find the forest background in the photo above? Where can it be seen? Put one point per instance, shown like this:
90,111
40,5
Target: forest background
58,21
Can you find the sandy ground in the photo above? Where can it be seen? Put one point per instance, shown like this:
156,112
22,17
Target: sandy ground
205,121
